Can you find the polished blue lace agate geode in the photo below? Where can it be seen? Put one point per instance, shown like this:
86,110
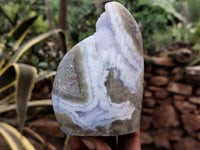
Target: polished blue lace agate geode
98,87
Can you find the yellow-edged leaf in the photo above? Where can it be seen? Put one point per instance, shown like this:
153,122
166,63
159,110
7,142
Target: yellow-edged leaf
30,104
7,99
66,144
7,77
15,140
18,33
32,42
39,138
45,75
17,44
2,60
25,82
22,30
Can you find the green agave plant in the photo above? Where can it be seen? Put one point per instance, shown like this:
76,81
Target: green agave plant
17,81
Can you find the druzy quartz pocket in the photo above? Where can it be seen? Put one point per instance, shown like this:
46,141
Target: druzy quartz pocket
98,87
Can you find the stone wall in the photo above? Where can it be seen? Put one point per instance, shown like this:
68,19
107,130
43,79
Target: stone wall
171,105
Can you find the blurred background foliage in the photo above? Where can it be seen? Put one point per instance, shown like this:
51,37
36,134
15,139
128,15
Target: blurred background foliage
162,23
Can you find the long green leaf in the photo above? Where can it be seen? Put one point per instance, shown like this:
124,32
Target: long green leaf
15,140
7,77
18,33
25,83
44,75
32,42
6,100
30,104
21,28
23,78
39,138
66,144
2,60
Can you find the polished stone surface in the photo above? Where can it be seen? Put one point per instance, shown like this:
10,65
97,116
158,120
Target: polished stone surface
98,87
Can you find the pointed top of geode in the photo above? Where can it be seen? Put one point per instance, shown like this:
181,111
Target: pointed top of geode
117,11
